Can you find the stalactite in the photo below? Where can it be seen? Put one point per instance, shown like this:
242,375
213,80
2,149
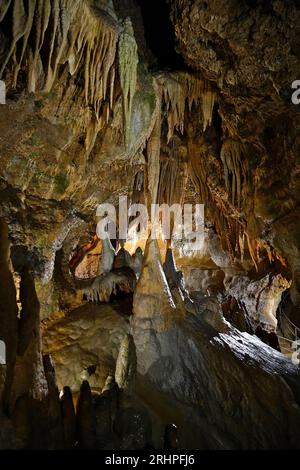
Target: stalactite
79,37
208,99
181,89
4,6
128,61
234,171
123,280
41,24
168,174
175,96
252,254
18,30
153,154
28,26
63,13
242,244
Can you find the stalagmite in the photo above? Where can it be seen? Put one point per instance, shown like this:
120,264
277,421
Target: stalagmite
137,261
123,259
29,370
85,418
152,298
126,365
68,418
106,406
8,314
128,61
110,384
111,391
54,419
107,257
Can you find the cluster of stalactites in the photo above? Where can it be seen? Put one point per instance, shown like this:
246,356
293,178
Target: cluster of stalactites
61,32
128,62
168,174
185,89
235,172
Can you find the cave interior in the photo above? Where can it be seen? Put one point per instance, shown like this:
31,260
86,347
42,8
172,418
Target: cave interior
135,341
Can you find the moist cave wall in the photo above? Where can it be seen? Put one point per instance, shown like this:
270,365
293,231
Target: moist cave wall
135,342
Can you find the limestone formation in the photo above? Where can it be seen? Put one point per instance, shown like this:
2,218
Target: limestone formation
85,418
29,376
137,261
153,299
104,286
8,312
126,365
68,418
155,345
123,259
107,257
55,422
128,61
260,298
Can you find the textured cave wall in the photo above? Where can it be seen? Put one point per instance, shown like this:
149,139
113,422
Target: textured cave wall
60,143
208,376
250,51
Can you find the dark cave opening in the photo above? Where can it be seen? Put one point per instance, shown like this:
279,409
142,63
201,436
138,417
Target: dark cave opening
159,33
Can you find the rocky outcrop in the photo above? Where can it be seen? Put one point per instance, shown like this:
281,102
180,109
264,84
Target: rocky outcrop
260,298
199,364
85,344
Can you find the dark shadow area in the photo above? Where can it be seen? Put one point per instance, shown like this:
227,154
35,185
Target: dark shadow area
159,33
